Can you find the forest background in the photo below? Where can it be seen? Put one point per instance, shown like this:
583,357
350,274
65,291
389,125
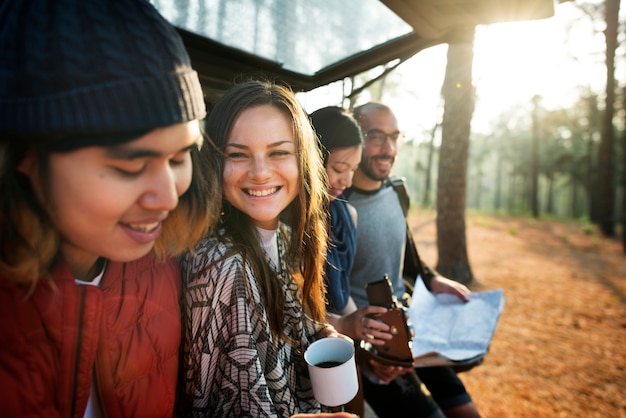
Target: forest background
539,209
546,112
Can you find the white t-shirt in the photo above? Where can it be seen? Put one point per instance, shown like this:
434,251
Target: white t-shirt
270,244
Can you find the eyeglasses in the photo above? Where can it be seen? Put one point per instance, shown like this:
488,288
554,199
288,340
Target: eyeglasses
378,137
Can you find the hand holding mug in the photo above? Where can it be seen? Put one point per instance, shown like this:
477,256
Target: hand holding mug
332,370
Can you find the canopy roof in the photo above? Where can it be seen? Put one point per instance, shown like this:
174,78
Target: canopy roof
313,43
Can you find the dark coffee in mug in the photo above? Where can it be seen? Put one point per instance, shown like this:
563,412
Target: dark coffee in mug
329,364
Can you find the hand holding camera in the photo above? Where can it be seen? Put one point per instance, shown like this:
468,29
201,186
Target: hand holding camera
396,351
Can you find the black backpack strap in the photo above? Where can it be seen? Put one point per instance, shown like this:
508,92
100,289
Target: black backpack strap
413,264
399,185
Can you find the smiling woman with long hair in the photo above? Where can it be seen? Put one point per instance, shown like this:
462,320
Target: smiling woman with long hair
254,297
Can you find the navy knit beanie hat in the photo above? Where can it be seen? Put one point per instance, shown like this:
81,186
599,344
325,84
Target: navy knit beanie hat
335,128
91,72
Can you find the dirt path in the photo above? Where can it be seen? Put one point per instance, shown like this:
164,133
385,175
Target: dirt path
560,346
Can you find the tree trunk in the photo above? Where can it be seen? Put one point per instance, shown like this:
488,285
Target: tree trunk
458,94
429,167
550,195
534,160
624,180
591,185
575,211
479,188
606,170
497,203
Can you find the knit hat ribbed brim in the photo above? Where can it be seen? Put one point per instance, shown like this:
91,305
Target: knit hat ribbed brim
80,67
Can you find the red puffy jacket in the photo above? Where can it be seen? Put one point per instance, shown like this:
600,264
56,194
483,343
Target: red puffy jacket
127,331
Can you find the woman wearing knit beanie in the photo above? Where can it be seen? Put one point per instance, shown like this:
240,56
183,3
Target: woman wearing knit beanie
101,184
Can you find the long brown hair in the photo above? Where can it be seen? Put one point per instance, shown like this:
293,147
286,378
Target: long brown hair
306,215
30,242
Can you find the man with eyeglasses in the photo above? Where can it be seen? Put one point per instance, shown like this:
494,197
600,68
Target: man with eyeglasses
381,234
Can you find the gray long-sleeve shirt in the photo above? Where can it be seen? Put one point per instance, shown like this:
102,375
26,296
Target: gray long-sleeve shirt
381,235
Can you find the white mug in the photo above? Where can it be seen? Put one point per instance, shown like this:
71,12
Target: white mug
332,370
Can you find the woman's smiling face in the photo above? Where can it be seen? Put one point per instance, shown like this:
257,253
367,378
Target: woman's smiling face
340,167
261,174
111,201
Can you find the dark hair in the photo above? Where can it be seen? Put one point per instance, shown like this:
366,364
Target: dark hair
335,128
306,215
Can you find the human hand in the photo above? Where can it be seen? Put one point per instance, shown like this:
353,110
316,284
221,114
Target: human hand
329,331
440,284
386,374
361,327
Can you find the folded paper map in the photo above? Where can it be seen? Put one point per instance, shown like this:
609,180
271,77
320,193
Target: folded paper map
449,331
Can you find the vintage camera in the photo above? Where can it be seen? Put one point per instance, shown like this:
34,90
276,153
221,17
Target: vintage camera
397,351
